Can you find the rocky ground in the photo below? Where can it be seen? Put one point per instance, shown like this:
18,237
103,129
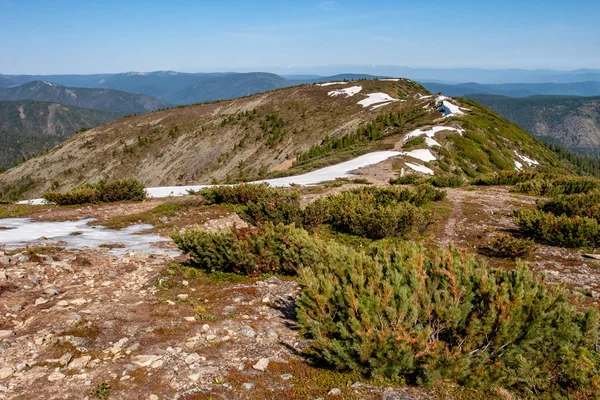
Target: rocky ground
85,324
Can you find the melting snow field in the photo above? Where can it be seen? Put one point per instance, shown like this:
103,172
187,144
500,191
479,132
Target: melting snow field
421,154
330,173
348,92
19,232
527,160
332,83
375,98
449,109
420,168
430,133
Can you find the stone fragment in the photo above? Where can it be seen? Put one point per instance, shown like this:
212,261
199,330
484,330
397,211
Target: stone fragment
261,365
6,372
335,392
248,385
5,334
144,360
56,376
248,331
80,363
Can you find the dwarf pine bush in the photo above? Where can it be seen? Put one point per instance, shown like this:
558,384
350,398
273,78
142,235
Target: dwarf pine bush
399,314
101,192
502,178
560,230
582,204
556,186
249,251
259,203
372,212
508,246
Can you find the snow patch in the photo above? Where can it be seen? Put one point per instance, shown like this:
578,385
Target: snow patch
347,92
80,235
432,131
375,98
390,79
332,83
449,109
50,84
381,105
431,142
420,168
421,154
421,96
527,160
518,165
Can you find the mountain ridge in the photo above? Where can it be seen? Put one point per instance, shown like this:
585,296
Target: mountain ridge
285,132
108,100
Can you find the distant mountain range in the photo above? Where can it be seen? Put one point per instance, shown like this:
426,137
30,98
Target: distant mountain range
187,88
108,100
572,122
591,88
29,127
176,87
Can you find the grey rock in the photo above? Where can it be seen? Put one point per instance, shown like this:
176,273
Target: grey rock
261,365
286,377
335,392
6,372
56,376
51,290
112,274
274,281
272,334
80,363
144,360
192,358
34,279
3,276
5,334
248,331
248,385
397,395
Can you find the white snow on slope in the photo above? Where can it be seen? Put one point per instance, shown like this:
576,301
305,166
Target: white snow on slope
381,105
348,92
421,154
527,160
421,96
431,142
375,98
330,173
332,83
432,131
79,235
449,109
518,165
420,168
390,79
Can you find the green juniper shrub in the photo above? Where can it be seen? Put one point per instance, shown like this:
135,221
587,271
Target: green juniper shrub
80,195
374,212
285,209
441,181
447,180
510,178
582,204
560,230
410,179
556,186
258,203
251,251
409,317
101,192
315,214
119,190
239,194
505,245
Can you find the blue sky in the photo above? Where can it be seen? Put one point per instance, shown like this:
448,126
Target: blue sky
49,37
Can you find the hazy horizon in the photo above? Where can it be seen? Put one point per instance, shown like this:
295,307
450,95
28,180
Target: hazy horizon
70,37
